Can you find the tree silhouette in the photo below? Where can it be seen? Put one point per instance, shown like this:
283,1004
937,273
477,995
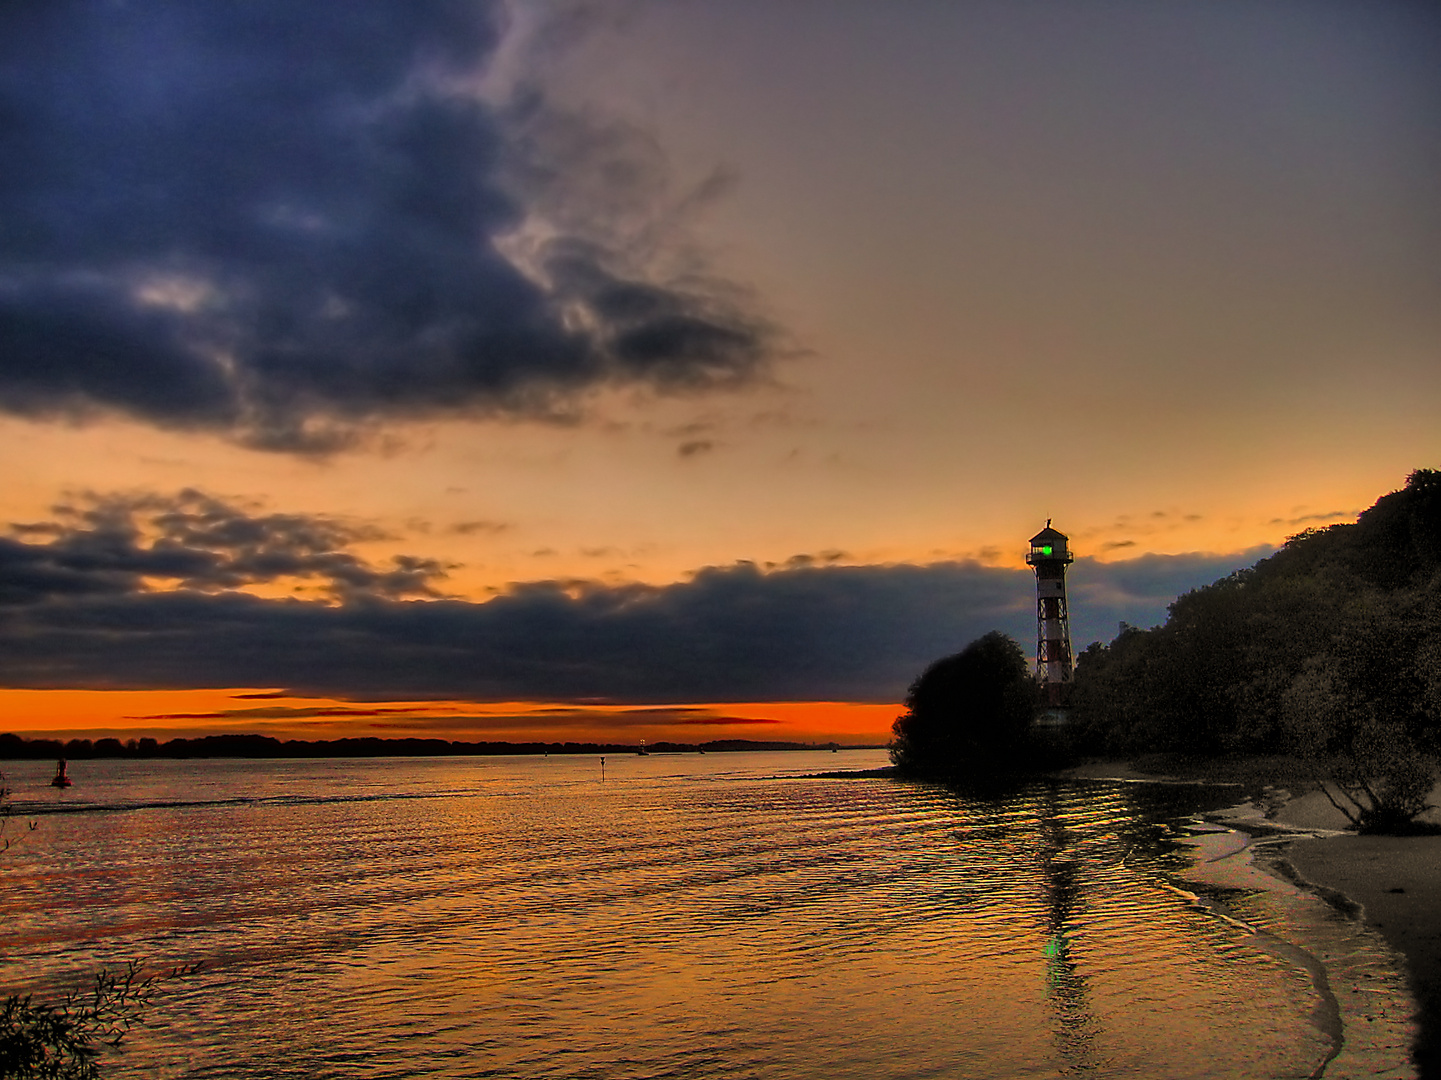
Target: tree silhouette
968,716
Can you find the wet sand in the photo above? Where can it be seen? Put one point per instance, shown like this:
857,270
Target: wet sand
1363,1006
1395,884
1392,884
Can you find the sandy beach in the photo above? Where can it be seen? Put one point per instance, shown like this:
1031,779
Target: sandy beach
1390,883
1395,883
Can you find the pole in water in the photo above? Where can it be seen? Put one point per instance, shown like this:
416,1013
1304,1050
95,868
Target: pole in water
602,767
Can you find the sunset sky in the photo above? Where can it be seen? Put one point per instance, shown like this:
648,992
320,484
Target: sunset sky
690,369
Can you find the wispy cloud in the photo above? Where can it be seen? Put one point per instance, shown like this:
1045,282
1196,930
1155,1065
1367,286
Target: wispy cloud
287,712
1327,516
471,528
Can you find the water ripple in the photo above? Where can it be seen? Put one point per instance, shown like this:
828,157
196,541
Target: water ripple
705,917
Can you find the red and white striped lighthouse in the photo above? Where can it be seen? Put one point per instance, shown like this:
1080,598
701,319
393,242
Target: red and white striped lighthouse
1050,556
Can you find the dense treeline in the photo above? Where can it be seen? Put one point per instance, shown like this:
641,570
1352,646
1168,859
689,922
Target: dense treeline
1330,650
13,747
969,717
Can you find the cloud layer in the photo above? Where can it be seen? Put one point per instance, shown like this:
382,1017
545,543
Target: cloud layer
129,545
144,593
284,222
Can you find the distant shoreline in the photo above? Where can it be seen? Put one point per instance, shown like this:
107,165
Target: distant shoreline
16,748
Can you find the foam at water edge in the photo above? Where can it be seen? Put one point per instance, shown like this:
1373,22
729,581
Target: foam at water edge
1363,1003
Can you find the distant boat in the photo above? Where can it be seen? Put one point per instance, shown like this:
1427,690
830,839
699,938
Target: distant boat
61,780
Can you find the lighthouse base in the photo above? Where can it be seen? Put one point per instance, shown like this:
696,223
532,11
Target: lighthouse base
1056,716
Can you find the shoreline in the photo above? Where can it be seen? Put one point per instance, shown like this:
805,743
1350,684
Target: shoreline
1362,1006
1368,908
1387,887
1392,885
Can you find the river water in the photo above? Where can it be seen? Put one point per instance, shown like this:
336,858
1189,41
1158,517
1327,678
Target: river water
719,915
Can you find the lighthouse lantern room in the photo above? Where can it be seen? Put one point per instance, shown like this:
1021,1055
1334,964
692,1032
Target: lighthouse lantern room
1050,556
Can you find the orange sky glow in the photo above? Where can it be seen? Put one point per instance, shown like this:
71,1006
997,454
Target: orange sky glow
167,714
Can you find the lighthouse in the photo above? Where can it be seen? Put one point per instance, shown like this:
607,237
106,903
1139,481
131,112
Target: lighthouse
1050,556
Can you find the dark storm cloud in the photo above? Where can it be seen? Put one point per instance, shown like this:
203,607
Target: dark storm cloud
70,617
114,545
280,221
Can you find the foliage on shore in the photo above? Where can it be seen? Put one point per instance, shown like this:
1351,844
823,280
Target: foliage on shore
969,717
1330,650
1325,657
64,1041
41,1040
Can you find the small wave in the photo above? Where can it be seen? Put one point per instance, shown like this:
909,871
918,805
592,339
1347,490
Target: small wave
39,809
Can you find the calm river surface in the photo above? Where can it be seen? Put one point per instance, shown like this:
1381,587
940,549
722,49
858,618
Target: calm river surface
689,916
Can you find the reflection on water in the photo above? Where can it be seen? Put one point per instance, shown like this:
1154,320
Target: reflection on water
682,917
1076,1027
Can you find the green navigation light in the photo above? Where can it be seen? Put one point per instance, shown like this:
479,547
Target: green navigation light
1046,550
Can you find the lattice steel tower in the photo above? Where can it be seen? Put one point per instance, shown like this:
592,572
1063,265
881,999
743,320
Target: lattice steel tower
1050,556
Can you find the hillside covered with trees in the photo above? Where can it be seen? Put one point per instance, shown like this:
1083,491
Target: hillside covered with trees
1329,651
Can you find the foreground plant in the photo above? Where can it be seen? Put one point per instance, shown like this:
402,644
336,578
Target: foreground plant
6,839
65,1041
